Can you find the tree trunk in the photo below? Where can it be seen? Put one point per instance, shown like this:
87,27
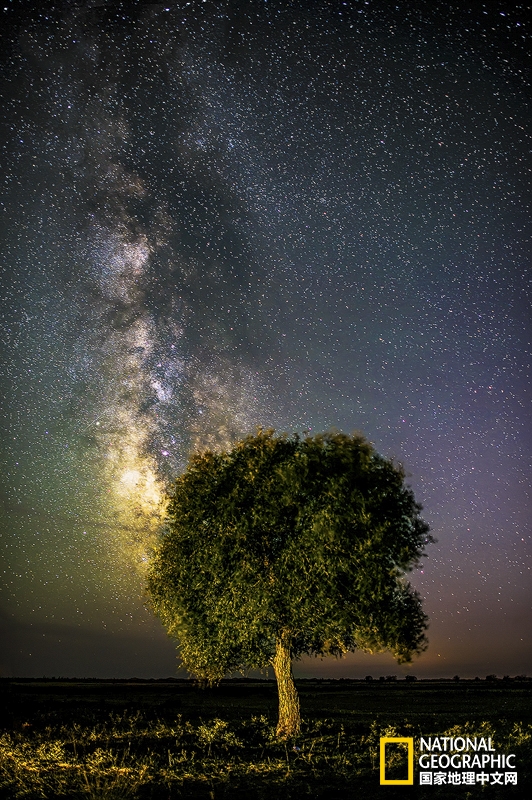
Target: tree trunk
289,718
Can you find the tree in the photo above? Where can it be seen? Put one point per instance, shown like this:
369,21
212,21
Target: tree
286,546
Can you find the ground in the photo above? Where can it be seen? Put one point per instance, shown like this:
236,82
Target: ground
171,739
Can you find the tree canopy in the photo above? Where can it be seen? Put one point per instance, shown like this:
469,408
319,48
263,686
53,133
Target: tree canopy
283,546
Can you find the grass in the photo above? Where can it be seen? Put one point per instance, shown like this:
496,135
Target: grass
165,741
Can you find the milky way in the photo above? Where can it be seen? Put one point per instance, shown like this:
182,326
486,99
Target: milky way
220,216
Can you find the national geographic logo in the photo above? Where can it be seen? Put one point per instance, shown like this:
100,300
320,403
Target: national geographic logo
445,760
398,743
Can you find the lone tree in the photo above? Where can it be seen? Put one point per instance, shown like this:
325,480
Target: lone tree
284,546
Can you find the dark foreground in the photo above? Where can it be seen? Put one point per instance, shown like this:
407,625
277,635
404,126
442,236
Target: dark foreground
170,739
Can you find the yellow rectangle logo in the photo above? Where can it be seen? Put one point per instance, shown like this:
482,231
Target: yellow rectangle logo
410,745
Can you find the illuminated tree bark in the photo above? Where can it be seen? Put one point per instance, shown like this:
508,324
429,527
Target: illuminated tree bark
289,723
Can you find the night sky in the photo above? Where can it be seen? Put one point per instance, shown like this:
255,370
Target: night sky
220,215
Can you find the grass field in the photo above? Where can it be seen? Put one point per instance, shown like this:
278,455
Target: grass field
170,739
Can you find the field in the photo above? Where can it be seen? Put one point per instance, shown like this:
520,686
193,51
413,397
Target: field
171,739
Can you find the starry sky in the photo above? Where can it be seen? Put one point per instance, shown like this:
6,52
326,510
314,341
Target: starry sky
223,215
